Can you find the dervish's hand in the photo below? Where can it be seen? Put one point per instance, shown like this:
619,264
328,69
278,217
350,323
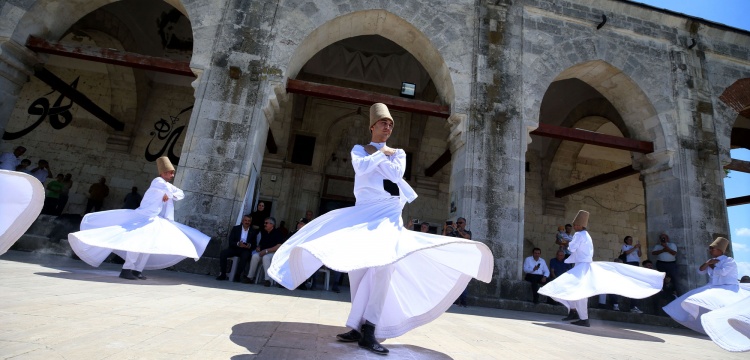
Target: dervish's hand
388,151
370,149
711,262
165,198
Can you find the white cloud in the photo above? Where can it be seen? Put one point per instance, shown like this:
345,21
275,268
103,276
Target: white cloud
743,268
742,232
740,247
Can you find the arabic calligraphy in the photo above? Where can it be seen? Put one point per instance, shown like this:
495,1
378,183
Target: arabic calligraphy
59,115
164,131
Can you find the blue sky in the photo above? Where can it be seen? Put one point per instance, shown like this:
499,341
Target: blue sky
735,13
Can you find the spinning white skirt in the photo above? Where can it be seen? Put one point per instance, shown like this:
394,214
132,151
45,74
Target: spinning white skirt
21,201
729,327
601,277
430,270
120,231
689,308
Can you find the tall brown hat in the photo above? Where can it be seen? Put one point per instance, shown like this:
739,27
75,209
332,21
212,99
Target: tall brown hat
163,164
720,243
379,111
582,218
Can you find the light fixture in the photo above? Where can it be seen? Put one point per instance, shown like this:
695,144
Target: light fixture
408,90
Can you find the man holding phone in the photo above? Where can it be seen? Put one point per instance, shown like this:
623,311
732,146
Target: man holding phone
666,259
459,230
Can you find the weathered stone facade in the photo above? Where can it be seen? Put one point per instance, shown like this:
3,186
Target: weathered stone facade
503,67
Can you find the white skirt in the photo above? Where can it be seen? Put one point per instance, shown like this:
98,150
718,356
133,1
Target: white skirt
21,201
121,231
689,308
729,327
601,277
430,271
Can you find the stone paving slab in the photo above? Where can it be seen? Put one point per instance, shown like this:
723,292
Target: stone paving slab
55,307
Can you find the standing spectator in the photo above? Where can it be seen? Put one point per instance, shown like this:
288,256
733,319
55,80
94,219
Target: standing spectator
132,199
258,215
632,252
241,244
666,260
308,216
11,160
97,193
24,166
632,257
284,230
52,196
42,171
536,272
424,227
270,241
67,185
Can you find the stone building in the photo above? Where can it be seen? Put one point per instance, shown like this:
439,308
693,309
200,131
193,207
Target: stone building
262,100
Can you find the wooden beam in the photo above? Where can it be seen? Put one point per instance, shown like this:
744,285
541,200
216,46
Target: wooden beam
593,138
441,161
742,200
366,98
77,97
271,143
596,181
110,56
739,165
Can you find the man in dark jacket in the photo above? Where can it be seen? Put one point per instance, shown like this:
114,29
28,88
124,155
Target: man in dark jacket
242,240
270,241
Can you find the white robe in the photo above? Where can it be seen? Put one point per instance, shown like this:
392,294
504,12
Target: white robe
588,278
729,327
150,229
723,289
424,273
21,201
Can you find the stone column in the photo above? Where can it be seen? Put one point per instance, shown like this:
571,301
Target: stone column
16,63
685,201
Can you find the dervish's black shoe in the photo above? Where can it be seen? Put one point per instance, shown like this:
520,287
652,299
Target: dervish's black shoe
582,323
369,342
350,336
222,276
572,315
138,275
127,274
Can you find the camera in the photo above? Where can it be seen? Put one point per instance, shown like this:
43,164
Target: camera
417,221
449,223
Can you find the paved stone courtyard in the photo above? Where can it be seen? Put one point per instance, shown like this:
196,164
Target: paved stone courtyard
59,308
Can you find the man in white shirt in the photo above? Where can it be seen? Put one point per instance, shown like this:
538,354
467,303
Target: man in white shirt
666,258
10,160
536,272
42,171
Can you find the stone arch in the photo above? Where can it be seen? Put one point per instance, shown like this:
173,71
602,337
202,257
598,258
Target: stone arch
618,75
735,107
388,25
42,18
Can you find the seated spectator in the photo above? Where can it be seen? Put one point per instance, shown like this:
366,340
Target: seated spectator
745,279
241,244
284,230
557,267
458,231
270,241
632,257
605,299
424,227
52,196
536,272
24,166
259,215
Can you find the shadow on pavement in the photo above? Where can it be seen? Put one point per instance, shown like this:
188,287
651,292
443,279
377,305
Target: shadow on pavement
295,340
603,331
